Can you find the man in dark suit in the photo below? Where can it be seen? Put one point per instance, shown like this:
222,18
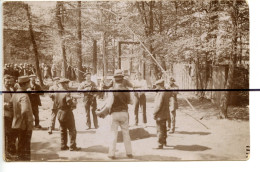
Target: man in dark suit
161,113
35,100
89,100
64,104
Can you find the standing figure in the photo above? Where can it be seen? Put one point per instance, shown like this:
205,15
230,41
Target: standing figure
23,119
89,100
45,72
140,98
8,119
35,100
54,87
119,113
53,71
64,103
173,105
161,113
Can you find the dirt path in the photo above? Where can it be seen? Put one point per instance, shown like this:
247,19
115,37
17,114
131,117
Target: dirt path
224,140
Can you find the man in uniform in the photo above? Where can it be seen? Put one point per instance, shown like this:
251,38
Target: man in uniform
89,100
54,87
35,100
64,103
23,119
139,98
173,105
8,118
161,113
119,113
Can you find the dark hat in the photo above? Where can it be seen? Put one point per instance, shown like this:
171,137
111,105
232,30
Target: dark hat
56,79
64,80
172,79
159,82
23,79
118,73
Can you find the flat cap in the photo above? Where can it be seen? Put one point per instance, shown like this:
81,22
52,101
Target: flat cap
159,82
7,76
23,79
64,80
32,76
118,73
56,79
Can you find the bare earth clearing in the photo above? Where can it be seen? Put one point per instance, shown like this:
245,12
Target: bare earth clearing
224,140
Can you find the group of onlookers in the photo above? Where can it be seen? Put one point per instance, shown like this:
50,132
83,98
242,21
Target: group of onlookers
22,110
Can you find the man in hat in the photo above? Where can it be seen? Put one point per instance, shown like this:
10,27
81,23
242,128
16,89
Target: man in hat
173,105
119,114
53,88
8,118
23,119
35,100
140,98
89,100
161,113
64,104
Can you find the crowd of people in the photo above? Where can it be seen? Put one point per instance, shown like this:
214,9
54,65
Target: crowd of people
21,110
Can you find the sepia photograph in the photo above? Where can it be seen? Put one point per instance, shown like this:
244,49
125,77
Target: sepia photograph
130,81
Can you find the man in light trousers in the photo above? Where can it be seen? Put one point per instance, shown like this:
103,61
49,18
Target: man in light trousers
119,114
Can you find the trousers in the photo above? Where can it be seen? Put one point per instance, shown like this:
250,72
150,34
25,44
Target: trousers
53,118
119,119
172,120
24,144
35,110
10,138
161,132
140,100
68,125
91,105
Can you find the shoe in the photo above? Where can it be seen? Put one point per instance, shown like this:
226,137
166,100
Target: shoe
38,126
96,127
171,132
75,149
50,132
88,128
111,157
129,155
64,148
159,147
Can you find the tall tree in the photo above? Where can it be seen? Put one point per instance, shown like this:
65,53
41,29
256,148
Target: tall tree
79,47
35,49
59,18
233,60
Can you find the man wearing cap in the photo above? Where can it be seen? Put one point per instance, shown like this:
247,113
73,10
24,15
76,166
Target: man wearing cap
64,103
35,100
119,114
23,119
53,88
8,118
173,105
161,113
139,98
89,100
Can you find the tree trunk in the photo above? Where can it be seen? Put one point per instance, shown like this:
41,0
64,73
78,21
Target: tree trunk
94,57
61,32
35,49
79,48
104,54
232,63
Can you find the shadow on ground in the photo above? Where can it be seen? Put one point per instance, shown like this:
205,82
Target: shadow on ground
98,148
191,133
156,158
191,147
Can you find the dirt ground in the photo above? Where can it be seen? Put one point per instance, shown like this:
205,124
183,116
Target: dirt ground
225,139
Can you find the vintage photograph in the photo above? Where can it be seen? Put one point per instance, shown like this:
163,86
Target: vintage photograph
125,80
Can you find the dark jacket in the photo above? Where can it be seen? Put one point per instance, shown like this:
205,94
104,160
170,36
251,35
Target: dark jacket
161,106
35,97
121,100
